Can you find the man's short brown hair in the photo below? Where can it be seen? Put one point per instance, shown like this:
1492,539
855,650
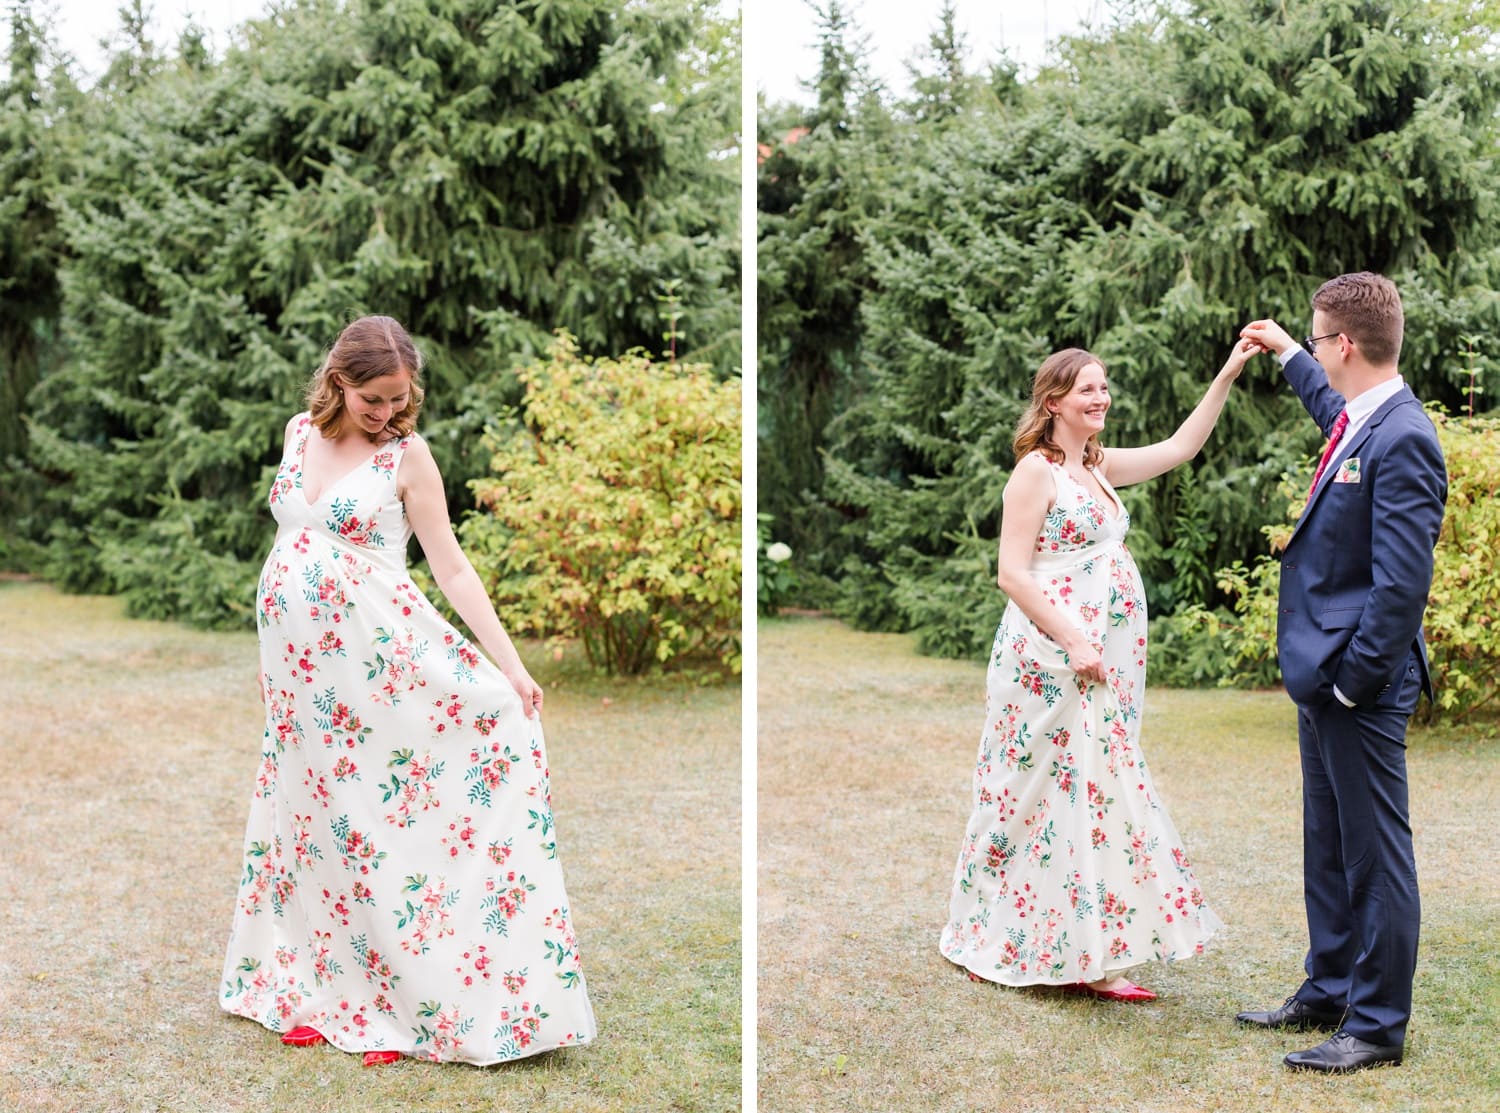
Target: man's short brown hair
1366,308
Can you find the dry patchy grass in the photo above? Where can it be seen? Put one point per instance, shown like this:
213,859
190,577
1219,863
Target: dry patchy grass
129,753
865,755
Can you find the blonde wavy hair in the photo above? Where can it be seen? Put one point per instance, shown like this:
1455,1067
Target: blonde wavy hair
1054,379
369,348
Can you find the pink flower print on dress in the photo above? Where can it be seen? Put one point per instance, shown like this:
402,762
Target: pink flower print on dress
1087,574
1139,854
500,852
341,727
325,595
460,836
304,850
523,1024
299,663
397,663
271,596
357,850
448,712
346,652
350,527
317,785
373,963
259,873
416,791
427,916
504,901
489,769
480,963
464,656
325,967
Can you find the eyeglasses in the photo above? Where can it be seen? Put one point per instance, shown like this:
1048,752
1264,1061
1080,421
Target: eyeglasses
1310,343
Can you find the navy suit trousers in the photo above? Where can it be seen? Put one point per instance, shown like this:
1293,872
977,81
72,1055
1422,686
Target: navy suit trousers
1360,874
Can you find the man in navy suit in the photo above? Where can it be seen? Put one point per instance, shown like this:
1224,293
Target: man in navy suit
1354,581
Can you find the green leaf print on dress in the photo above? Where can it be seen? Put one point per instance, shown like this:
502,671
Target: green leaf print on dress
400,848
1057,879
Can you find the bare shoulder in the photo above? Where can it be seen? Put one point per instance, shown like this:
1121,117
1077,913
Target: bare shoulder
1030,483
293,423
419,470
1032,472
416,446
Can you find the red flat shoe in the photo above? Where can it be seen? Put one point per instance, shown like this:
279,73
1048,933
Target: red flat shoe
380,1058
973,977
303,1037
1130,992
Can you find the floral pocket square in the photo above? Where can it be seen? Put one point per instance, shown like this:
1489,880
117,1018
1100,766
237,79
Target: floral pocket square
1348,471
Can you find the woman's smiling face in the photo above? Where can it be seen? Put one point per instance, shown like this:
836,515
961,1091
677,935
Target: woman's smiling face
1083,408
372,403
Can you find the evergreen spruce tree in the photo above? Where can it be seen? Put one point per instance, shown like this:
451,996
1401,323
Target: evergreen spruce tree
483,170
819,181
1163,184
941,85
30,246
38,106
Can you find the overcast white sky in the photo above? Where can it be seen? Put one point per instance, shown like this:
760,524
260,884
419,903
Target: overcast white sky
780,35
78,25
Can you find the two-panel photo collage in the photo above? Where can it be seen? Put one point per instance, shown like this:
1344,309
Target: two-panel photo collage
799,556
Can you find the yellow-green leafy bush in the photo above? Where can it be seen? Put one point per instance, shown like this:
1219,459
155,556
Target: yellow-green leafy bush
612,511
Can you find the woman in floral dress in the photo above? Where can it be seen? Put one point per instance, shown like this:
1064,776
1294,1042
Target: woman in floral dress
400,892
1071,871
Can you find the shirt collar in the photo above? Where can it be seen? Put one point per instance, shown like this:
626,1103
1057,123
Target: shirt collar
1372,399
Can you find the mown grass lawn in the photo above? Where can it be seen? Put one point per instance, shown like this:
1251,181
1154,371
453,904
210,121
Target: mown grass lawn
865,756
130,749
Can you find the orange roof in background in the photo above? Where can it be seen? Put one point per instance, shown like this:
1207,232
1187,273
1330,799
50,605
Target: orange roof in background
763,150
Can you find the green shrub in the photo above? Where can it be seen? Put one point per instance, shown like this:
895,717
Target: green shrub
1195,648
775,579
484,171
613,515
1463,608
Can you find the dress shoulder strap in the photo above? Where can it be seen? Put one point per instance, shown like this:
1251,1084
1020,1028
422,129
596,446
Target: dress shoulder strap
1052,467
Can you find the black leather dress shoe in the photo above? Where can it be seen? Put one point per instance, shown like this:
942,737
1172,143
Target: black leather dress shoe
1292,1014
1342,1052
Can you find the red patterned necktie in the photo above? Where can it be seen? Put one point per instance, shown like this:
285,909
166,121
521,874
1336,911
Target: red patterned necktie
1340,423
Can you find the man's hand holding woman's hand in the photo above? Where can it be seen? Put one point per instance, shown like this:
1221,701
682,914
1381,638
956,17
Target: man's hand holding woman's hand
1270,336
1244,350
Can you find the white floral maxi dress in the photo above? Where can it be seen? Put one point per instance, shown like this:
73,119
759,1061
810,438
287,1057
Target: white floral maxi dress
401,889
1070,869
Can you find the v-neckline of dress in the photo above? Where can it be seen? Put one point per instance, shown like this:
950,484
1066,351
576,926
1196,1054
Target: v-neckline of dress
330,488
1119,508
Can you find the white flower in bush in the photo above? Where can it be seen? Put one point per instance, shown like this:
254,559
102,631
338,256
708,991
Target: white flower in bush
778,551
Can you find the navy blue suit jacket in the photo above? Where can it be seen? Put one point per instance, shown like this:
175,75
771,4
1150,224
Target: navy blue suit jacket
1356,572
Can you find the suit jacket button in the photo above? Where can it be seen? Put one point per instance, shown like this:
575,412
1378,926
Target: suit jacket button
1384,688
